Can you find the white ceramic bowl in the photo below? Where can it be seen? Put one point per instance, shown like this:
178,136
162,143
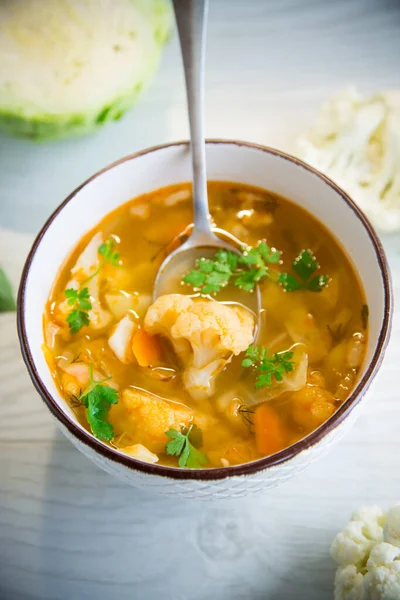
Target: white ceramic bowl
166,165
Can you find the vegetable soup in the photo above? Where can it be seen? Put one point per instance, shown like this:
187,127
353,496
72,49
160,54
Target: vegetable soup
191,380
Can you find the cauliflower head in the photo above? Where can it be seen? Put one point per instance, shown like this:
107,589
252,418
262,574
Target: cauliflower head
205,334
368,552
356,142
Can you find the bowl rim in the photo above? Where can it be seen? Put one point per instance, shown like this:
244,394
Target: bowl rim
218,473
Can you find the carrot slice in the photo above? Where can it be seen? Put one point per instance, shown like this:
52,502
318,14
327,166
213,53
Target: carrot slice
146,348
270,434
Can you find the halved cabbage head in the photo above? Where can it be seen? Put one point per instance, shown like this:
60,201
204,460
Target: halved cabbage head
356,142
69,66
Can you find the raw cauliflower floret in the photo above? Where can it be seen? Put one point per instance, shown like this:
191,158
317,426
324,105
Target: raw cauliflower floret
152,416
368,552
391,529
205,335
383,578
353,545
349,584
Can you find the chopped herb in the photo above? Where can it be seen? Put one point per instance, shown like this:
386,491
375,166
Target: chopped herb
107,251
79,315
336,332
304,265
364,315
7,302
269,367
75,401
77,358
289,282
183,444
109,257
80,299
251,267
244,271
97,398
245,412
270,203
210,275
257,260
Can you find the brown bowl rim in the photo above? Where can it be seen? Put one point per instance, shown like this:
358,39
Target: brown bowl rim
246,468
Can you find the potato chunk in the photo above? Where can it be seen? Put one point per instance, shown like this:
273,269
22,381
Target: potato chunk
236,452
152,416
312,406
141,453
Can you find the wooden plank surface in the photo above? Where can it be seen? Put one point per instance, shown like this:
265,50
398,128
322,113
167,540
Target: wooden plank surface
70,531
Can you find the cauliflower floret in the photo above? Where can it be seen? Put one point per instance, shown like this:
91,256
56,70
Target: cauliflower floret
152,416
356,142
368,552
205,335
383,578
353,545
391,530
200,382
349,584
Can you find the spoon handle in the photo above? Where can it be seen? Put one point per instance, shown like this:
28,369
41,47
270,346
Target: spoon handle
191,19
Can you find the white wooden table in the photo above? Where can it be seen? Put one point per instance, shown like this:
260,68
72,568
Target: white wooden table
70,531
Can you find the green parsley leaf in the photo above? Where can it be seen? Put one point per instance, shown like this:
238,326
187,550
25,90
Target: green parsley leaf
77,319
317,283
304,265
273,367
192,458
268,254
196,436
257,259
97,398
195,278
7,302
183,444
210,275
289,282
177,443
107,251
244,271
79,316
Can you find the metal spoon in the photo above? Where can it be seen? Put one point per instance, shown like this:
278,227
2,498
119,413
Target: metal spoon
191,16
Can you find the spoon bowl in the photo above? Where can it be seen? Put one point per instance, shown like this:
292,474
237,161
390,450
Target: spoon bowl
181,259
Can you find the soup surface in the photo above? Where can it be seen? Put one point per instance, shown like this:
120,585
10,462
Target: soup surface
189,380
